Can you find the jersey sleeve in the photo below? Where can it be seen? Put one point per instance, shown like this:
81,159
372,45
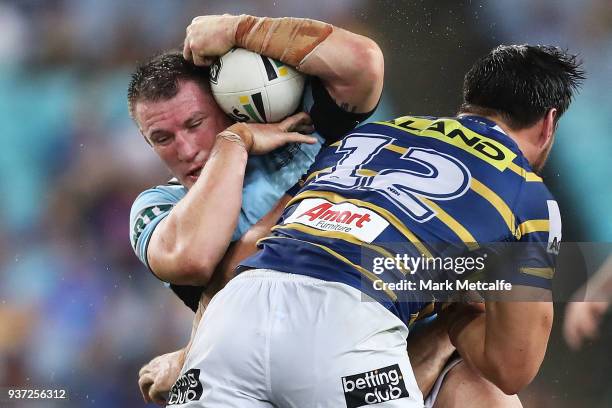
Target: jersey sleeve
149,208
190,295
152,206
331,121
538,237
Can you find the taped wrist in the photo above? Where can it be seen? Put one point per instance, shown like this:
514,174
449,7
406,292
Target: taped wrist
238,133
287,39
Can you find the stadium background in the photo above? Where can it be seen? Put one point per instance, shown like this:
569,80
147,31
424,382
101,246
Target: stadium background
78,311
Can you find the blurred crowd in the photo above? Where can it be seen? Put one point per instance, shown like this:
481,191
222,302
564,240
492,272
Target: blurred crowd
77,309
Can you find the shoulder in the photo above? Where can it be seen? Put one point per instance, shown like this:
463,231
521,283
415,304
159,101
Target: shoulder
169,193
538,214
330,120
152,205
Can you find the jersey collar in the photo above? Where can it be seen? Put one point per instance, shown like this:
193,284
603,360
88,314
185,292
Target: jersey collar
498,133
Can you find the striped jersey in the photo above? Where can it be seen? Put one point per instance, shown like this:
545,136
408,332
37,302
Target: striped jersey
434,189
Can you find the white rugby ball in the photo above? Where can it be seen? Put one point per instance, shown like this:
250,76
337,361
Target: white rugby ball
253,88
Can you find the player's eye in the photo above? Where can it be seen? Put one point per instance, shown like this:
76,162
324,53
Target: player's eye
161,140
194,124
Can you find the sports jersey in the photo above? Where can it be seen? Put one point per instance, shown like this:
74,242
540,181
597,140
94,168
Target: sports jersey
422,186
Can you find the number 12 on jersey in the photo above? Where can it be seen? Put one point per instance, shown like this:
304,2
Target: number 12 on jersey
436,176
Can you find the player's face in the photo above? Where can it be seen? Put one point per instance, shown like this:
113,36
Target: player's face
182,129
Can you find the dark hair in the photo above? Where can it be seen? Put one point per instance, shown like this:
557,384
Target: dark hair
520,83
158,78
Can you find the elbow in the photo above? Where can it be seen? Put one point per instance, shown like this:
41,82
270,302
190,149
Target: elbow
377,63
511,377
196,271
359,61
370,63
511,385
183,268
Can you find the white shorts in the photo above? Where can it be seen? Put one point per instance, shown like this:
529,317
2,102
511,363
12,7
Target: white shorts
273,339
435,390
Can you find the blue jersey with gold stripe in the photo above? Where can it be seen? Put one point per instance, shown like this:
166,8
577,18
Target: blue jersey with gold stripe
422,186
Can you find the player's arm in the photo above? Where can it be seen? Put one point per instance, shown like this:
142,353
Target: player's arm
157,377
187,245
429,349
506,343
350,66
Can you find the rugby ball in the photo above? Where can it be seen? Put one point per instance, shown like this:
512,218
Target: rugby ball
253,88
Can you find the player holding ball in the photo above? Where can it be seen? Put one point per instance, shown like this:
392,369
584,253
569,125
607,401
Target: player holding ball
172,229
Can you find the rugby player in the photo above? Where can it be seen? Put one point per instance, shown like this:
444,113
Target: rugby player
170,100
296,316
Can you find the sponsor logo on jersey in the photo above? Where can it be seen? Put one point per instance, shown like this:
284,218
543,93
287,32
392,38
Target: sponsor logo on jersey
554,231
186,389
348,218
453,132
374,387
279,158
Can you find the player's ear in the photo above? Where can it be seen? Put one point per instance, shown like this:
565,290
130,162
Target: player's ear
548,127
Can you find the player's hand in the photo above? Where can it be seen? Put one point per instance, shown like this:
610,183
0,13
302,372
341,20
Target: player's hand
262,138
582,322
157,377
209,37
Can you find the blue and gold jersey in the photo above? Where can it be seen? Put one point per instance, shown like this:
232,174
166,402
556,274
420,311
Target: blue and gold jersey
423,186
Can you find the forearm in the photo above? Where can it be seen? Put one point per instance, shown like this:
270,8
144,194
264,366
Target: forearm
429,349
507,343
194,237
204,301
351,66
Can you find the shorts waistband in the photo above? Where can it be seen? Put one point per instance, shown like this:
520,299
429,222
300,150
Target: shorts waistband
276,275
